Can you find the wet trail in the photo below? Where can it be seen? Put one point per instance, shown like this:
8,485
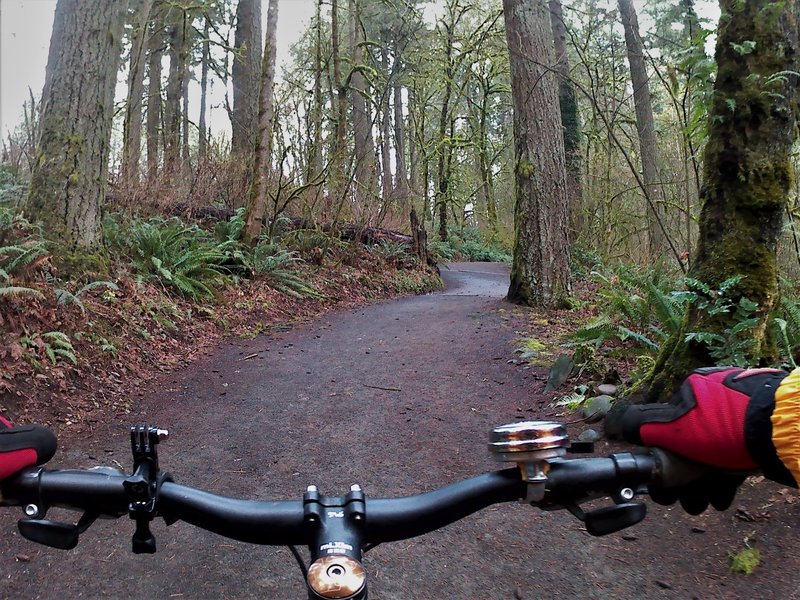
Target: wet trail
397,397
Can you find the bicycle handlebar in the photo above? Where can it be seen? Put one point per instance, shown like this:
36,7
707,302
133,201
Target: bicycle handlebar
342,527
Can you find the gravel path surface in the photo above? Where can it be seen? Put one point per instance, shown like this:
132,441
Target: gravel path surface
397,397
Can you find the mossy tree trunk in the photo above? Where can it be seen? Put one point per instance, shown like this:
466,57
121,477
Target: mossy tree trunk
246,77
68,181
540,270
570,119
257,195
365,184
748,176
132,125
155,51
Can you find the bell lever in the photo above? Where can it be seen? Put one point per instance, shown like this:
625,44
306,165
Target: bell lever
143,485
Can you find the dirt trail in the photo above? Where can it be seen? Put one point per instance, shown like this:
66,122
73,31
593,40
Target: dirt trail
397,397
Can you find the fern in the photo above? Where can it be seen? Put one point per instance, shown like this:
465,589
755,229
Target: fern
13,291
276,266
668,308
64,296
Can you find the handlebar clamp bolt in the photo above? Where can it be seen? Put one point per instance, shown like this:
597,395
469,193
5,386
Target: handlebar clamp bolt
31,510
626,494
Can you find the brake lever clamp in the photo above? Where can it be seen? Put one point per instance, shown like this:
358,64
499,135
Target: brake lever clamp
530,444
143,485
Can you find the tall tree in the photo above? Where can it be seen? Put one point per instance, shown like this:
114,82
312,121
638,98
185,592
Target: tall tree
68,182
205,59
645,126
540,270
338,186
155,51
246,76
363,144
132,125
747,181
570,117
257,196
178,55
315,166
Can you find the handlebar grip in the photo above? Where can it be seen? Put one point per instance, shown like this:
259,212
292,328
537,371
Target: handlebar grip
673,470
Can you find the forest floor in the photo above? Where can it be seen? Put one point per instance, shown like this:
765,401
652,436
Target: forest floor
399,397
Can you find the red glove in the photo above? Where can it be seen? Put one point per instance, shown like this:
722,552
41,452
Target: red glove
24,446
720,417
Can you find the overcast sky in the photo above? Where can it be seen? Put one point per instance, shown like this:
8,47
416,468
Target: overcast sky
25,27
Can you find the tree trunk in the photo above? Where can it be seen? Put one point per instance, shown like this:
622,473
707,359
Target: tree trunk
645,126
202,146
246,82
315,161
570,119
401,178
257,196
442,184
339,175
364,146
177,72
132,125
540,270
386,163
155,52
68,182
747,180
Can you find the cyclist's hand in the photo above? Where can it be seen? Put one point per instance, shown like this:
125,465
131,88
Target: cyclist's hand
24,446
726,418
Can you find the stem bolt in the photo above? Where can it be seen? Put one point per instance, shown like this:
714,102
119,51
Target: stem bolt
31,510
626,494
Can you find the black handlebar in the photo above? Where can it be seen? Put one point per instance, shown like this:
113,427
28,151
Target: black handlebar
101,492
343,526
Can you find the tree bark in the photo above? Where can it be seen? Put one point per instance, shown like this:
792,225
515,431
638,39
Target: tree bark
339,176
385,116
570,119
155,51
401,178
315,161
257,196
442,183
177,73
645,126
202,126
540,270
364,146
246,77
68,182
132,125
747,178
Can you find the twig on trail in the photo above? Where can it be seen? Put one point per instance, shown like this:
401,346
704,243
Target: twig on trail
377,387
581,420
255,354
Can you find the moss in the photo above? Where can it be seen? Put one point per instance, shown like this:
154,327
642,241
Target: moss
745,562
525,168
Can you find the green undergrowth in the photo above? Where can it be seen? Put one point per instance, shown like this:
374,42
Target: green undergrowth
160,289
628,314
469,244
